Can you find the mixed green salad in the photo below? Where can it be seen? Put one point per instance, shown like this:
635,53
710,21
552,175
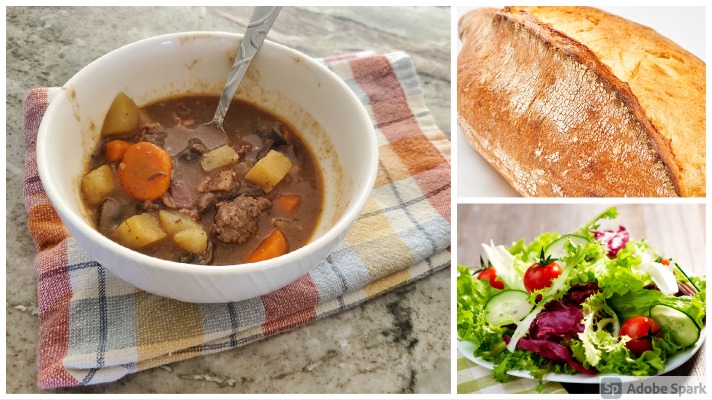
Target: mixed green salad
592,301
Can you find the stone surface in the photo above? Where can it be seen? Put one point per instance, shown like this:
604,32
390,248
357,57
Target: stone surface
397,343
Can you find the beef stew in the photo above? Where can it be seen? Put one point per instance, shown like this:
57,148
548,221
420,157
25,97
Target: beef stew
162,183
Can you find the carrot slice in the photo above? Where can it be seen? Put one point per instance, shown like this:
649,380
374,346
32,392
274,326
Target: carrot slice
274,245
116,149
145,171
288,202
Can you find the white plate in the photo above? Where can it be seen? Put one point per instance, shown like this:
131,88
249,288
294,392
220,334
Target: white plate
466,348
684,25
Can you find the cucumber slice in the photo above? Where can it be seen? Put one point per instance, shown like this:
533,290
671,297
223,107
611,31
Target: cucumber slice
556,248
685,331
507,307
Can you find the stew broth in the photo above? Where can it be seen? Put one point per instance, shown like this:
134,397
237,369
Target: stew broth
252,133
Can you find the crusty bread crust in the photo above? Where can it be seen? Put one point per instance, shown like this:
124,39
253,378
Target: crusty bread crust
573,101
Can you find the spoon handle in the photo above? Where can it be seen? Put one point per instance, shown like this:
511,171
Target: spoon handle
260,23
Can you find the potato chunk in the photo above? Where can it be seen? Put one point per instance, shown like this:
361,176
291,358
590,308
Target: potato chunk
188,234
122,116
139,231
192,240
173,222
97,184
269,171
223,156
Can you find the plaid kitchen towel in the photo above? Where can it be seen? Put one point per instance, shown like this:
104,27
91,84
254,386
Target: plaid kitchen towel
96,328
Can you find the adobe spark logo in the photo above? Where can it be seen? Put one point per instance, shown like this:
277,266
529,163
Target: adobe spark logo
611,388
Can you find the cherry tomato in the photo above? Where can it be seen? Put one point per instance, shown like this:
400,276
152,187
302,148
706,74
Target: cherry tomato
539,276
640,329
491,275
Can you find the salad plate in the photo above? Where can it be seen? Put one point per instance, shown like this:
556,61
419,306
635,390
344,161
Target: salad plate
580,306
673,362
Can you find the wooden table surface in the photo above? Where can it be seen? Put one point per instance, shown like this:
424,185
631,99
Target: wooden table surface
674,230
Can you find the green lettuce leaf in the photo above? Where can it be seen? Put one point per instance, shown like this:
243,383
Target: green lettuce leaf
599,348
585,230
619,276
472,295
634,302
594,343
701,284
627,298
523,360
528,253
619,360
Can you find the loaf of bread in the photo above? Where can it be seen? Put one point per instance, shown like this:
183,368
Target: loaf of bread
577,102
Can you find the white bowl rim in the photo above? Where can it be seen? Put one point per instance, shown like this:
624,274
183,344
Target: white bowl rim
343,224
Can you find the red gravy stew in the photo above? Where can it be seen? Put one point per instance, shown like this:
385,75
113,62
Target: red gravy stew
161,183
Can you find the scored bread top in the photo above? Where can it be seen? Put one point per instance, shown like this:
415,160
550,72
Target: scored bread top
661,83
668,81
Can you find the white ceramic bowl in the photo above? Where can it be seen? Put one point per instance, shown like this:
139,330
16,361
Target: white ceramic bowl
319,104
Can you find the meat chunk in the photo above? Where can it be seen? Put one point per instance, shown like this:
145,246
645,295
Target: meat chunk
236,220
250,190
244,149
152,127
195,149
152,133
221,180
147,206
272,137
202,259
177,196
112,213
217,187
191,213
206,201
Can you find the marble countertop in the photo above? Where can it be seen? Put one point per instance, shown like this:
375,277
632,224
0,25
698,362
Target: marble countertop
397,343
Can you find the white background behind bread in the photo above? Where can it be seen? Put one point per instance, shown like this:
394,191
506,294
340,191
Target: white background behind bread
684,25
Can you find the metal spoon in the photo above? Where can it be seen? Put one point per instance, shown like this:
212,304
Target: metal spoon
260,23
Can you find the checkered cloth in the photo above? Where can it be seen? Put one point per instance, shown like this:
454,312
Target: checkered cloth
96,328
